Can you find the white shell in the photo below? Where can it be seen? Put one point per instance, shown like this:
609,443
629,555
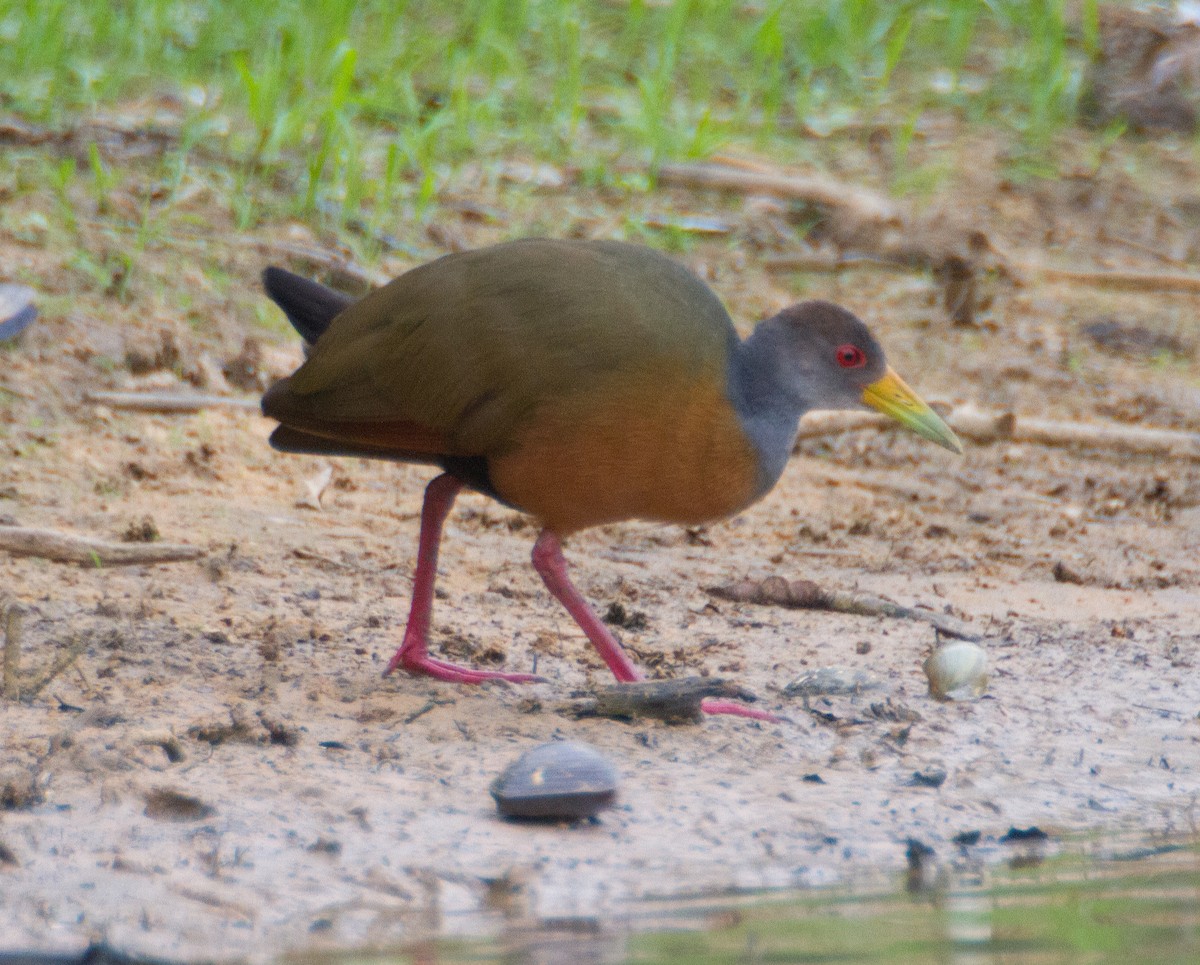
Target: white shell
957,671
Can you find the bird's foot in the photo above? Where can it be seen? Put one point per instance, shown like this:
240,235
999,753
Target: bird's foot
734,709
419,663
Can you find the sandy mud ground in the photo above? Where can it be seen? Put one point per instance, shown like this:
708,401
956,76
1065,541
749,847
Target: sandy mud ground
336,808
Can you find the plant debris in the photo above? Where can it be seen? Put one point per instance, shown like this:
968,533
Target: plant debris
807,595
673,701
69,548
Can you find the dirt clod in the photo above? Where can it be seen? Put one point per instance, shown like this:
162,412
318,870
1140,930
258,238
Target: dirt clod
1066,574
143,530
618,616
167,804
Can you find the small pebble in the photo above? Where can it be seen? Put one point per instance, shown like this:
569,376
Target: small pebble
931,778
828,681
17,310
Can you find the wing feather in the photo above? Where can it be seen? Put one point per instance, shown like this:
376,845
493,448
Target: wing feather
455,355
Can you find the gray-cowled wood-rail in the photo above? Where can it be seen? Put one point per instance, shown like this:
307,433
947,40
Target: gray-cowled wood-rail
581,382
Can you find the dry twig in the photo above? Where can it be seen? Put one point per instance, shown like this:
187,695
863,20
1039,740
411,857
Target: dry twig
827,192
68,548
1134,281
169,402
983,426
806,595
831,264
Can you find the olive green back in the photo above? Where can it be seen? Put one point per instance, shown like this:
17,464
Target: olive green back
471,344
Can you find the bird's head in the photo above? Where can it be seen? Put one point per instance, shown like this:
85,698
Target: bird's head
835,362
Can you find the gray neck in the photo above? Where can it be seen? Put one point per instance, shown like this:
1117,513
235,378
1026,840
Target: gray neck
765,400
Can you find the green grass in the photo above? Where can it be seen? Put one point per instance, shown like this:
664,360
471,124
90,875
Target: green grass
371,105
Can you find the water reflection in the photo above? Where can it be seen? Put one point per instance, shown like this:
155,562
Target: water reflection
1089,902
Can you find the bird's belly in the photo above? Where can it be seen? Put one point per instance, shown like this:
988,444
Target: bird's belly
656,447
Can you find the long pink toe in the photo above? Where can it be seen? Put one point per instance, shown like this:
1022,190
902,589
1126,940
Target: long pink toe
421,664
734,709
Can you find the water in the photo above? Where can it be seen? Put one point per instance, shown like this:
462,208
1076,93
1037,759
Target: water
1087,904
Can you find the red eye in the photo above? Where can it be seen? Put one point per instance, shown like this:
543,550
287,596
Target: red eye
851,357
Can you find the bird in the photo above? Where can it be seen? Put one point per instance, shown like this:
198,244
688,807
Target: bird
582,382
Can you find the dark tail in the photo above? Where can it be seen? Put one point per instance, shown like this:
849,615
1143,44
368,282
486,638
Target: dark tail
309,305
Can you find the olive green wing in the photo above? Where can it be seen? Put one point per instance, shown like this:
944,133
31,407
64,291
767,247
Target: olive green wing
452,357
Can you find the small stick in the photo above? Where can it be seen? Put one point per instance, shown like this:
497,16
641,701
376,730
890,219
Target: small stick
302,554
68,548
168,402
11,614
826,192
18,132
1143,248
673,701
1167,442
832,264
1134,281
696,224
806,595
426,708
993,426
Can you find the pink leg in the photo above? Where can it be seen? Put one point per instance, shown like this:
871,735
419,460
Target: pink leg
413,654
548,560
552,568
